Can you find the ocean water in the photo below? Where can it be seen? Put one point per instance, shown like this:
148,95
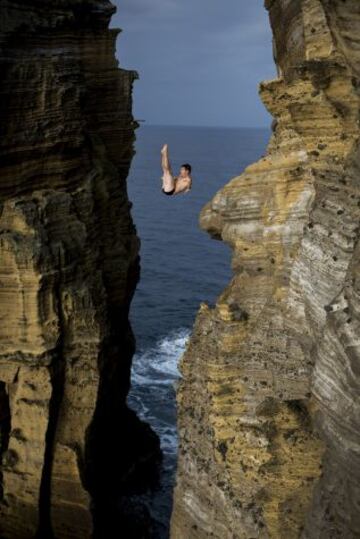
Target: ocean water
181,266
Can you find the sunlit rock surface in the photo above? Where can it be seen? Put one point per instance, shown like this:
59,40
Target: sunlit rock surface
68,268
268,404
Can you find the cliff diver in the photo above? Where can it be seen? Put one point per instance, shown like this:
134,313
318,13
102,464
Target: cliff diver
172,185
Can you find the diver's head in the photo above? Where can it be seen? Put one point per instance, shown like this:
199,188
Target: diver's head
185,170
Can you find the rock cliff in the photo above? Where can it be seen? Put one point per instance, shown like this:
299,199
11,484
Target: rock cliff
70,449
268,402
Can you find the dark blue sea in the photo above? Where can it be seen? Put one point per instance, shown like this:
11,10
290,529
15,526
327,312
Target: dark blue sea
180,267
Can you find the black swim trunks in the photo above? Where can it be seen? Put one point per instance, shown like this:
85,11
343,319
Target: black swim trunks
168,192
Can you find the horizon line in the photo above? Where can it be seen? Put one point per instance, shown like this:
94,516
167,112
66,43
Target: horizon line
143,122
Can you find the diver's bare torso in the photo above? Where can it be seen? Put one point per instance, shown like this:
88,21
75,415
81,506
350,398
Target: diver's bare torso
182,185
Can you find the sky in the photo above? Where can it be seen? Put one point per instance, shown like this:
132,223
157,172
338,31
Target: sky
199,61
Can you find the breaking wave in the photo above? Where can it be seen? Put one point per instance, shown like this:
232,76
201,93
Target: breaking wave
153,380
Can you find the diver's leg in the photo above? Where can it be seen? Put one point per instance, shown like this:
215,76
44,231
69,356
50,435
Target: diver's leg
168,182
165,163
168,179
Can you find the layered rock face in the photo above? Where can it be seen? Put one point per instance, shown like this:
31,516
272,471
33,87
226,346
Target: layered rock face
68,268
268,403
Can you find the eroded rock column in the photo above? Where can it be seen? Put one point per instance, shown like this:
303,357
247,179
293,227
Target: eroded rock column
69,265
268,409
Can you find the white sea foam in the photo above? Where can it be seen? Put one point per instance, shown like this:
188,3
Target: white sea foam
158,364
154,375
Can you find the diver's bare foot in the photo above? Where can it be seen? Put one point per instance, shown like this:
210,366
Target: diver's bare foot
164,148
